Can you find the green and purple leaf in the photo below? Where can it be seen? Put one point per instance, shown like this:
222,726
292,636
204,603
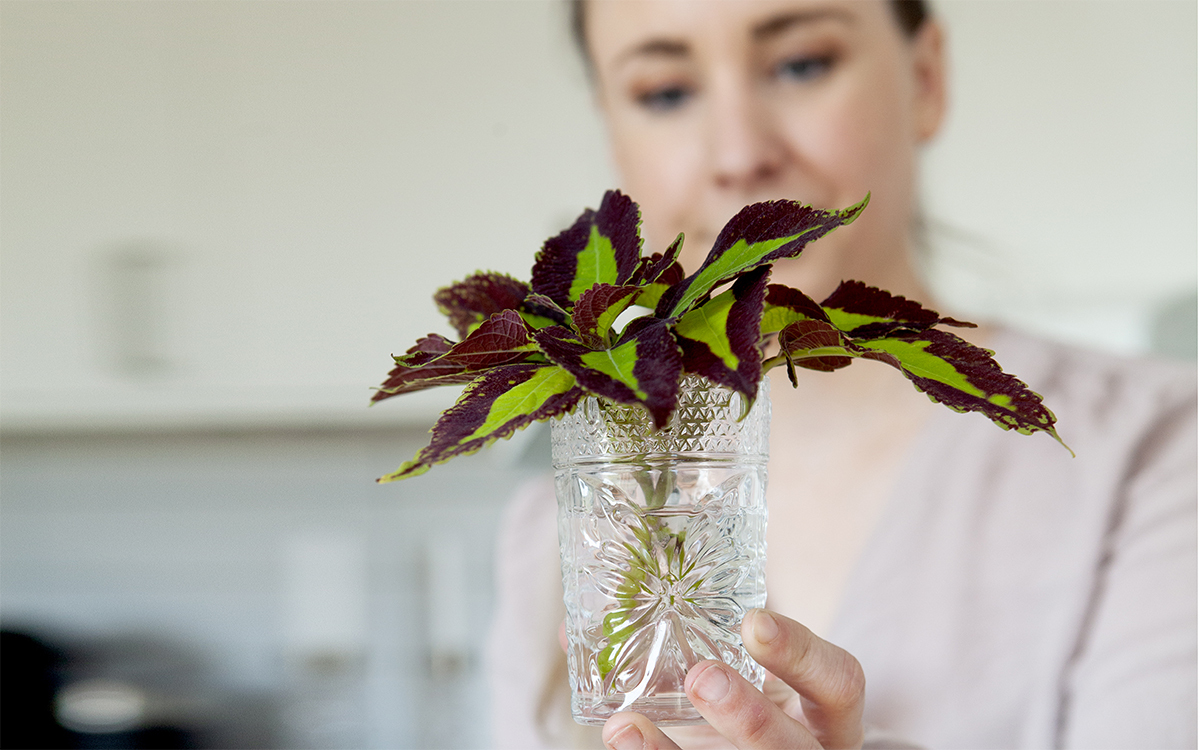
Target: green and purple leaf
867,312
601,247
720,338
414,365
661,267
948,369
478,297
502,339
427,348
760,233
597,309
785,305
965,378
494,406
658,273
643,367
815,345
540,311
529,352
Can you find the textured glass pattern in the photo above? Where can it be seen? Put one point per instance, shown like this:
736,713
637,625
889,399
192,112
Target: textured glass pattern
663,550
705,422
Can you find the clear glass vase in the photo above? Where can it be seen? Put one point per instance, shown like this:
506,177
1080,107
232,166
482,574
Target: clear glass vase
663,543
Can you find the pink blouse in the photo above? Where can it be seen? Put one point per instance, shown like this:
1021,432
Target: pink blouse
1011,596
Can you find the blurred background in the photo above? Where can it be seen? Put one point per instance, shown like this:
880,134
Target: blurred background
218,219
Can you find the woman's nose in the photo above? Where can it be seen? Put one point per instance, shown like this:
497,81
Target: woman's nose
746,151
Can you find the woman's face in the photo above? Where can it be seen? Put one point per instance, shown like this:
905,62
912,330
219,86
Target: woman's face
712,105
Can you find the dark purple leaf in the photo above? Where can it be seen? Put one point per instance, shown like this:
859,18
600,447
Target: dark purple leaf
429,347
544,307
964,377
760,233
597,309
949,370
815,345
786,305
497,404
720,338
502,339
662,268
643,367
601,247
477,298
867,312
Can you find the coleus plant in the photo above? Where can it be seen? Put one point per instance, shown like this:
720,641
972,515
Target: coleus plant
528,352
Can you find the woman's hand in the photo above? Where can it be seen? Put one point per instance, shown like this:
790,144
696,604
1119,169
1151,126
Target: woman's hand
826,710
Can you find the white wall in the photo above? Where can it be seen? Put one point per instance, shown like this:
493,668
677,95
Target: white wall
292,180
1063,188
231,211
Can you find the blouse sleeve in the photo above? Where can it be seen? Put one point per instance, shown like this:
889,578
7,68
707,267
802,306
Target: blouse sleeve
523,635
1133,681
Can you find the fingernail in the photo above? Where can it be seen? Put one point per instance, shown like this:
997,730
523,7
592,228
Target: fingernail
712,685
629,738
765,627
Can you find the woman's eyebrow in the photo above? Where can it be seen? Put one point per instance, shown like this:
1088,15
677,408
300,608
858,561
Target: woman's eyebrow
772,27
775,26
656,48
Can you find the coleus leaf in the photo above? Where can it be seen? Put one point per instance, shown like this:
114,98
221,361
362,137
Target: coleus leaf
759,233
815,345
662,266
540,311
948,369
785,305
601,247
476,298
867,312
720,338
413,367
657,273
502,339
965,378
497,404
588,275
427,348
643,367
597,309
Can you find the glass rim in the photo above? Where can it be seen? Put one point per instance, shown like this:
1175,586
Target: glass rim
708,425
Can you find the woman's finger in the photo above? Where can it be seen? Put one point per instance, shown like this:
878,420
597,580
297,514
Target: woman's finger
828,679
630,731
741,712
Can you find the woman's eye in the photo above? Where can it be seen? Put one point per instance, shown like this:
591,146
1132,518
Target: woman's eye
803,68
665,99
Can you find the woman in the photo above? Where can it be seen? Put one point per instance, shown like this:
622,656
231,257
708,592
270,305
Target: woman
991,590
